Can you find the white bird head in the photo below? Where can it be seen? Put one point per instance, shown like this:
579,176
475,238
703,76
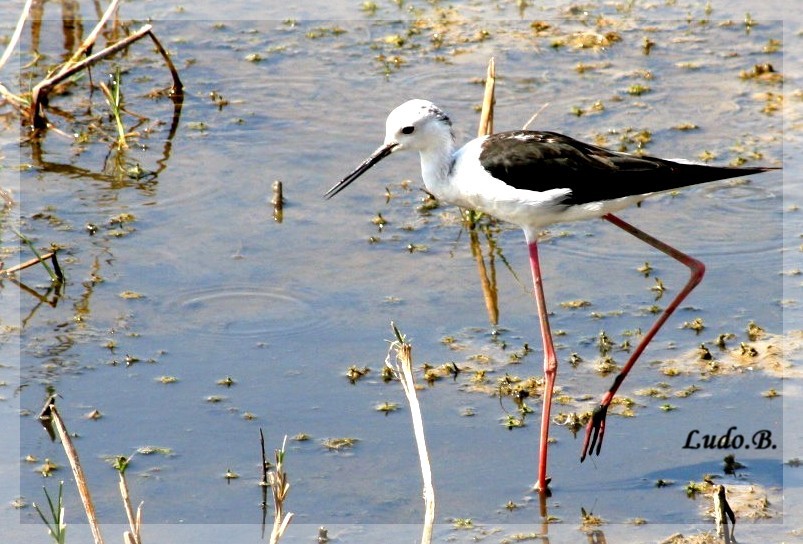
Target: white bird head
417,125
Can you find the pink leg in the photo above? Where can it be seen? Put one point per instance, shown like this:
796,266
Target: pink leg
550,366
595,430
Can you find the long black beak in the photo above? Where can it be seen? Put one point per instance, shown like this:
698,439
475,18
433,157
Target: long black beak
375,157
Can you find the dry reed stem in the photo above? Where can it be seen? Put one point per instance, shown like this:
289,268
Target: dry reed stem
534,116
17,33
486,128
134,521
403,369
89,41
12,44
487,280
78,472
280,487
487,115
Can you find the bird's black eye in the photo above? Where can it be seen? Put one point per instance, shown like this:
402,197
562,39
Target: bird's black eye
408,129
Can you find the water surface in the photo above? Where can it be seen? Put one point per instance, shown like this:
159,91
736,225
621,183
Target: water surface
285,308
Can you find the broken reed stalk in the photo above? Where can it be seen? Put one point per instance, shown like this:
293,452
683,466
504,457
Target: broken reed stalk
134,521
50,414
487,115
278,201
403,370
280,488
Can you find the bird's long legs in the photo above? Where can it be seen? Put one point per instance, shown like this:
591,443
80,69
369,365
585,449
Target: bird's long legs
550,365
595,431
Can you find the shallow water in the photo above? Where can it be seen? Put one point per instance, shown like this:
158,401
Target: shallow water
285,308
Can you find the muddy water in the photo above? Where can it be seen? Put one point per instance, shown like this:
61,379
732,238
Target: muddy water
223,290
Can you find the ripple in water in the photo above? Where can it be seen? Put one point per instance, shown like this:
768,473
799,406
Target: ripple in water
246,311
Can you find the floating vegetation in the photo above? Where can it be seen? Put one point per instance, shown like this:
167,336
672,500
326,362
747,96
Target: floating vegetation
763,73
695,325
754,331
605,365
589,519
154,450
638,89
47,468
572,421
746,350
324,32
687,392
228,381
463,523
339,444
511,421
685,126
654,392
574,304
585,67
355,373
387,407
596,107
587,40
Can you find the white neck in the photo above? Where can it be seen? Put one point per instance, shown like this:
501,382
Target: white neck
436,165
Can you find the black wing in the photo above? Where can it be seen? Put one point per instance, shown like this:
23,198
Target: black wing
540,161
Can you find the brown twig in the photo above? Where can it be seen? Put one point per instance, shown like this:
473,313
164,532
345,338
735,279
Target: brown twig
32,262
43,88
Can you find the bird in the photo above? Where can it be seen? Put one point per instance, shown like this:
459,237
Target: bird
533,179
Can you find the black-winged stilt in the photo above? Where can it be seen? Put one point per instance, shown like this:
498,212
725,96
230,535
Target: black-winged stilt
533,179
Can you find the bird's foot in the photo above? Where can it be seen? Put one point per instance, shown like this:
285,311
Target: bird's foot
544,491
595,431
